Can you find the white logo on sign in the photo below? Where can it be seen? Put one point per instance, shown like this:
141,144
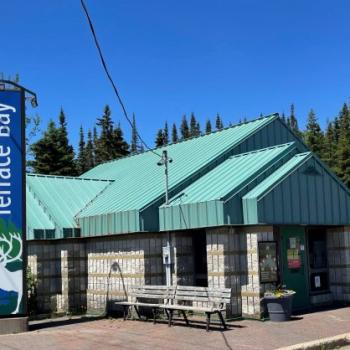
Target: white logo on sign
11,280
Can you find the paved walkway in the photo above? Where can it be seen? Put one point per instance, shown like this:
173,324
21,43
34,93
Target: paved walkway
242,335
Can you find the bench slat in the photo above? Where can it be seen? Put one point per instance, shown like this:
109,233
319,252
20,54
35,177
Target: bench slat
204,289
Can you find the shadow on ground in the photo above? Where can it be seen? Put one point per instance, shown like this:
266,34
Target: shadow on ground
59,322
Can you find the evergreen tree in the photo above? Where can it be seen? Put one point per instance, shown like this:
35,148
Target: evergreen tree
134,138
174,136
159,138
52,154
343,150
208,127
184,129
314,137
194,126
104,145
330,146
166,134
218,122
292,121
89,152
67,162
120,147
95,142
46,153
82,159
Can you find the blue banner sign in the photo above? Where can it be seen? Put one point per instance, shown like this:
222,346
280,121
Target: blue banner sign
12,205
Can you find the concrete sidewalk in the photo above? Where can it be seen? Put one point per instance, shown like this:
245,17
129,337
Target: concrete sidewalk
242,335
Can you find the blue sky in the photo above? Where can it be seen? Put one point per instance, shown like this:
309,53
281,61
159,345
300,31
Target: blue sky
168,58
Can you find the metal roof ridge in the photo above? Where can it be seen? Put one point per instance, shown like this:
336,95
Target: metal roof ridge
68,177
263,149
272,116
75,217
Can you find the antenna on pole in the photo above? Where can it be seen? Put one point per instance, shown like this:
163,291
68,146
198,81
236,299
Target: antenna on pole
165,160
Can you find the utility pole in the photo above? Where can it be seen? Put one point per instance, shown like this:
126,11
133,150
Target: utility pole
168,249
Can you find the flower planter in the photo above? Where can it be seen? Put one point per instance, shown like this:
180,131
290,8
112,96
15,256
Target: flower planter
279,305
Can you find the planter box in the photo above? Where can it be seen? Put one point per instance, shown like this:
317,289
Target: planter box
279,307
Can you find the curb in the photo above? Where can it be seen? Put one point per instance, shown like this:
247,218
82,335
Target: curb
325,343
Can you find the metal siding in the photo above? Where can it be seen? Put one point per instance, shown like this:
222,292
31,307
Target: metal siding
312,197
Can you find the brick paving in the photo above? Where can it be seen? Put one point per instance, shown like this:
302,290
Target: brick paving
242,335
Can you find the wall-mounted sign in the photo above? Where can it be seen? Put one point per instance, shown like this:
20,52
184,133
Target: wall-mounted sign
293,253
12,201
268,262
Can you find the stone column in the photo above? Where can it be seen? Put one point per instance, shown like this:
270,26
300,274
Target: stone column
338,249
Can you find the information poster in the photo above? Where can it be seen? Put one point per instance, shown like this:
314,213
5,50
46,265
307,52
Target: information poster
11,202
293,253
268,262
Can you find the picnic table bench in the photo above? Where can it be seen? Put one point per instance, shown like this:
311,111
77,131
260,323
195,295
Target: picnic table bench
178,298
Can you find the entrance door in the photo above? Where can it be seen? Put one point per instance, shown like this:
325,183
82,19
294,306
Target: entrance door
294,265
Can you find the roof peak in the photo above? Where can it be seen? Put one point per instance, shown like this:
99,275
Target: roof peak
67,177
270,116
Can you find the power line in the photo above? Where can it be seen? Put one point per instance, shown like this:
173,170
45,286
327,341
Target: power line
110,77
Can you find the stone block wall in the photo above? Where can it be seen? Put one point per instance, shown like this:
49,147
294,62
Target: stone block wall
119,262
233,262
338,249
60,270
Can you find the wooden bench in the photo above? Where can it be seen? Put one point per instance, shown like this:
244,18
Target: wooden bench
177,298
160,296
214,298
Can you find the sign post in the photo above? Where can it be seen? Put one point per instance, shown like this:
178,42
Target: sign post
13,291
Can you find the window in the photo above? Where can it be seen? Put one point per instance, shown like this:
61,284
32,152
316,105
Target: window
317,242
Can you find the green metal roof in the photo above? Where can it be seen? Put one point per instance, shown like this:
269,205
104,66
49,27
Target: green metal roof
249,201
36,216
60,197
278,175
230,175
139,181
202,203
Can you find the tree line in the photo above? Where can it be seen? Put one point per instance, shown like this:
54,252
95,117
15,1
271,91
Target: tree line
53,153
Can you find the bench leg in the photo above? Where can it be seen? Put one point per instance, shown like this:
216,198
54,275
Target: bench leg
222,320
167,313
185,317
125,311
154,314
137,312
208,321
170,317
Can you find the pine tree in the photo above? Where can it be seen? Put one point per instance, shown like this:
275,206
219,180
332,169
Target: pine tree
330,146
66,162
314,137
184,129
46,154
218,122
174,136
134,138
159,138
95,142
82,159
52,154
292,121
104,145
89,152
194,126
120,147
343,150
166,134
208,127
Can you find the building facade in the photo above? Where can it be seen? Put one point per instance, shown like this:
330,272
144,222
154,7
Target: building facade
250,209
